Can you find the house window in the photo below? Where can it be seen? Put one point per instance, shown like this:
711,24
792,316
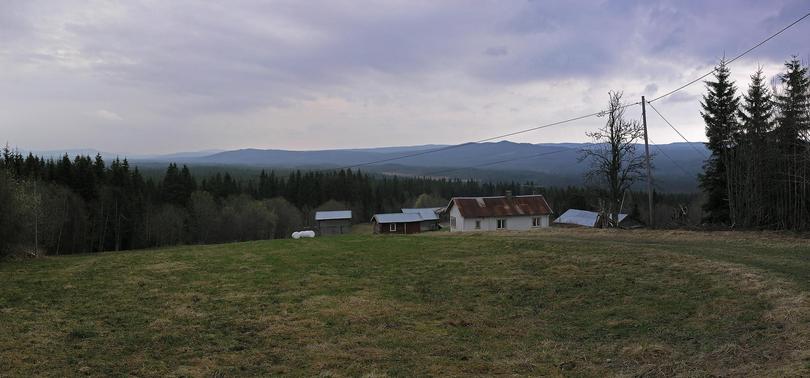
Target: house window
536,222
392,227
478,225
453,222
501,224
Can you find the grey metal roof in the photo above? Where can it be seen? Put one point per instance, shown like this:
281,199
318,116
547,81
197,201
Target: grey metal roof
582,217
427,213
398,218
331,215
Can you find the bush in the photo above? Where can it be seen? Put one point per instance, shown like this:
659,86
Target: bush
10,215
289,218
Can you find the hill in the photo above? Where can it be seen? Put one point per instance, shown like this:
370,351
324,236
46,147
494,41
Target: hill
557,156
676,165
558,301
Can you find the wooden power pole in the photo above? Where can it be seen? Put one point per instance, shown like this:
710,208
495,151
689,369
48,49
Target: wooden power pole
647,156
36,217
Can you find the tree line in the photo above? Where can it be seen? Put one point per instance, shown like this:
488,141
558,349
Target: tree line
757,174
85,204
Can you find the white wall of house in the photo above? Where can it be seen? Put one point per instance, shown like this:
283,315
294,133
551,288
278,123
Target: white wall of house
515,223
456,220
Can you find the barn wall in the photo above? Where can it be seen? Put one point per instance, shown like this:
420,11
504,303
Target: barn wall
334,227
429,225
413,228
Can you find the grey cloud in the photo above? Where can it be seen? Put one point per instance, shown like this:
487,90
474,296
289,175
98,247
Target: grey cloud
248,52
496,51
201,57
680,97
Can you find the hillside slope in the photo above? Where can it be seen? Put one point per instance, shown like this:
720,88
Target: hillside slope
546,158
676,165
557,301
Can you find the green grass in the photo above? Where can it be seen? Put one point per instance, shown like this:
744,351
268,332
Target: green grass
554,302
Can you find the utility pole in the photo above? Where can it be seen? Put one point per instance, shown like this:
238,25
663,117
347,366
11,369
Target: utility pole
647,156
36,218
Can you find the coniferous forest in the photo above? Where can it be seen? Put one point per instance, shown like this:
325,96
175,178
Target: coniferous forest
757,174
84,204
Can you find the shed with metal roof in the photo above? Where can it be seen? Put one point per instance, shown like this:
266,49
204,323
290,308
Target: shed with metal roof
430,216
584,218
334,222
397,223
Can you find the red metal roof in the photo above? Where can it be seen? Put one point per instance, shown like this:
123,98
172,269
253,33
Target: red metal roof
483,207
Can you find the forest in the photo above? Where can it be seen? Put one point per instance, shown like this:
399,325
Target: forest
84,204
757,174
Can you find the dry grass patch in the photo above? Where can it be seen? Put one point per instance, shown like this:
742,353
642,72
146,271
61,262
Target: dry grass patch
167,267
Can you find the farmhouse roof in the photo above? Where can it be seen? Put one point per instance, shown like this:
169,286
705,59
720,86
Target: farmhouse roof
397,218
503,206
427,213
333,215
582,217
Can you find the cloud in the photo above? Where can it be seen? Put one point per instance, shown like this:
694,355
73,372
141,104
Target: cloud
107,115
681,97
496,51
259,68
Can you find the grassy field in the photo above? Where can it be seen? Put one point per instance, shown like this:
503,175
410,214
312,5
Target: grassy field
553,302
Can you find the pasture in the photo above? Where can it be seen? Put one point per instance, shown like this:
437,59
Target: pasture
551,302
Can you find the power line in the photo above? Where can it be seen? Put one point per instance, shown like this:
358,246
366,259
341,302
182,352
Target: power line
676,130
600,113
733,59
595,114
497,162
670,158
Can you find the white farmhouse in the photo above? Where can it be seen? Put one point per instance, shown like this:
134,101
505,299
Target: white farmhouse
498,213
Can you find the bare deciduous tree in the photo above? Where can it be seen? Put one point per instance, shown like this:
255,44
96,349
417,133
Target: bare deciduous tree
615,163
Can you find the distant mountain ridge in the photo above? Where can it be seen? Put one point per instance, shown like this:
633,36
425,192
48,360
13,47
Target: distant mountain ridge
111,155
676,165
546,157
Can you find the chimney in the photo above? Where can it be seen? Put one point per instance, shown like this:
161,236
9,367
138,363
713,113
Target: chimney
508,194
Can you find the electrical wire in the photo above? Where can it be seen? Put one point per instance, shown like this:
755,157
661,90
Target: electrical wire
732,59
661,150
498,162
420,153
595,114
676,130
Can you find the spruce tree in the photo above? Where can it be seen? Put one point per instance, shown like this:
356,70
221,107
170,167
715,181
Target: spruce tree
793,103
793,125
722,129
754,152
756,114
172,186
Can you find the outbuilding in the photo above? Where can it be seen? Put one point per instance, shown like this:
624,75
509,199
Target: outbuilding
334,222
591,219
397,223
430,217
498,213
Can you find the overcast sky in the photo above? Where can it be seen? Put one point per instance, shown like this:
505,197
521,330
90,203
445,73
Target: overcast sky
165,76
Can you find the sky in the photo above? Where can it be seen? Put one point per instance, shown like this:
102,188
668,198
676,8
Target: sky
155,76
